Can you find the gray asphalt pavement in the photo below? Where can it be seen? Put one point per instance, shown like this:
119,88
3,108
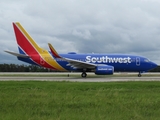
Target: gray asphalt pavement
77,79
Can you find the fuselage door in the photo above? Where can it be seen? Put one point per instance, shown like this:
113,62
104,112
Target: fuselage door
137,61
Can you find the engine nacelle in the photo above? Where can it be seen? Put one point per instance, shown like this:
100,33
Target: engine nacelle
104,70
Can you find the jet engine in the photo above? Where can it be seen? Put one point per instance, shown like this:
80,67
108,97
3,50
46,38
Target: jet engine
104,70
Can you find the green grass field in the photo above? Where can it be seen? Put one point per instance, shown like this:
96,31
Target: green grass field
40,100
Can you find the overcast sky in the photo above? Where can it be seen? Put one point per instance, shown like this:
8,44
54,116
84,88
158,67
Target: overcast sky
84,26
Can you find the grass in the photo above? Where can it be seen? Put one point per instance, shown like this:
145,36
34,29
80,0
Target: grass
40,100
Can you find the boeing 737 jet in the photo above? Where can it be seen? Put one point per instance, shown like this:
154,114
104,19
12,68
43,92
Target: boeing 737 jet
100,64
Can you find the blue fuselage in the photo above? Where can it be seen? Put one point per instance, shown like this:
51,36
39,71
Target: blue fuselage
120,62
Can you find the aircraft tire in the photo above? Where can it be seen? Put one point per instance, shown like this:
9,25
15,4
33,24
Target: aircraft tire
139,75
84,75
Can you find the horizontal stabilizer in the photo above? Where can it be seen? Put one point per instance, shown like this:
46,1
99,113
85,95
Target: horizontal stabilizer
17,54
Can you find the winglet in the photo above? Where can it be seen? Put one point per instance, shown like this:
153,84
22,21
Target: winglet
53,51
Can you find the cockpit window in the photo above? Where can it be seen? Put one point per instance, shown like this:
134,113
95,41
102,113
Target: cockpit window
146,60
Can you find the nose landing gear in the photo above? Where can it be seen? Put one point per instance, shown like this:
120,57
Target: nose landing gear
139,74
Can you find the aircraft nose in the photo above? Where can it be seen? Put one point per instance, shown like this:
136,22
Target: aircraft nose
153,65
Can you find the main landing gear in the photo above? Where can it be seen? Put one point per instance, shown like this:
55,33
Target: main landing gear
84,74
139,74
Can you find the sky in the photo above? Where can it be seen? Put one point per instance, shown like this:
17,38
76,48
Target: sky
84,26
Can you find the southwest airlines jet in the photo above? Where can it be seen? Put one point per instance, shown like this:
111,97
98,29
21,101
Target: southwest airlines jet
100,64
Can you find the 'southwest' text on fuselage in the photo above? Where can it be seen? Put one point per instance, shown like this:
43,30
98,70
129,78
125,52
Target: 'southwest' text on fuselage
106,59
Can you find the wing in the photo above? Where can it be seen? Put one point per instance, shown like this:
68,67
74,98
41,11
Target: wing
80,64
73,63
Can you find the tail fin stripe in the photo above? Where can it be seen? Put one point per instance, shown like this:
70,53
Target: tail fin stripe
29,60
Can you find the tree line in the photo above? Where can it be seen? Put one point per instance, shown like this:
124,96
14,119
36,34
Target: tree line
22,68
33,68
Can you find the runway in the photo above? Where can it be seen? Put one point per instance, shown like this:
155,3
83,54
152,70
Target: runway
73,77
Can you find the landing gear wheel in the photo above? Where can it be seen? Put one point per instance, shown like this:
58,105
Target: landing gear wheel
83,74
139,75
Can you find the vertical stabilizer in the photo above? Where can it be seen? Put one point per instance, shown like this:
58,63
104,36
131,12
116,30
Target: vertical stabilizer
26,44
28,47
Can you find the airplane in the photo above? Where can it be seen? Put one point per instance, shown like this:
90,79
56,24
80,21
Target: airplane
100,64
